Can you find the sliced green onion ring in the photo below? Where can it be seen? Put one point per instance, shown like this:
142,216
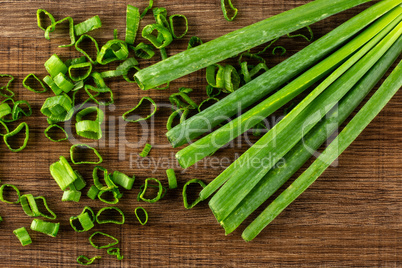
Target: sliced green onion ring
5,109
58,127
49,228
7,87
144,51
212,91
49,81
283,50
115,240
173,115
172,23
71,195
113,50
146,185
171,178
52,27
162,31
123,180
17,130
88,25
93,192
54,65
225,12
18,111
132,23
302,35
117,221
63,173
204,102
90,129
58,108
30,207
84,260
215,75
198,200
79,183
27,86
15,189
151,3
115,252
137,118
136,211
81,39
85,220
23,236
194,42
80,66
115,192
231,79
182,100
146,150
89,88
100,160
106,178
63,82
39,20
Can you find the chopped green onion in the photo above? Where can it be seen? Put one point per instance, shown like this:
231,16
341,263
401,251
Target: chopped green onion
90,129
49,228
81,39
283,50
93,192
205,102
54,65
85,220
115,34
58,108
132,23
52,27
115,240
49,81
5,110
79,183
216,76
71,195
118,221
39,20
151,3
84,260
303,36
144,51
178,112
194,42
85,162
182,100
27,86
17,130
59,127
80,66
62,173
159,194
123,180
162,31
28,204
106,178
14,188
63,82
136,118
139,218
225,12
113,50
115,192
172,23
115,252
23,236
171,178
6,87
18,111
88,25
146,150
198,200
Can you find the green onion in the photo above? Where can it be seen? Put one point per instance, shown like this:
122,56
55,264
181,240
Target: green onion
358,123
182,100
115,240
146,185
136,118
273,78
302,35
106,178
11,134
80,66
245,179
49,81
29,206
5,110
81,39
295,159
85,162
194,42
123,180
151,3
132,23
172,23
224,10
71,195
113,50
146,150
178,112
139,218
118,221
84,260
198,200
23,236
162,31
93,192
63,82
144,51
27,86
79,183
4,127
115,192
52,27
85,220
115,252
16,191
49,228
58,108
171,178
228,45
59,127
212,142
62,173
88,25
90,129
39,20
54,65
6,87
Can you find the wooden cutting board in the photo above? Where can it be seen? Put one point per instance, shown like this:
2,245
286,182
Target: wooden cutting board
350,217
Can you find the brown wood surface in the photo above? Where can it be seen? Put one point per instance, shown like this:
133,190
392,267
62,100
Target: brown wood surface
350,217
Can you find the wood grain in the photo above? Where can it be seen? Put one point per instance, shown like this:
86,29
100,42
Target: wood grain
350,217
